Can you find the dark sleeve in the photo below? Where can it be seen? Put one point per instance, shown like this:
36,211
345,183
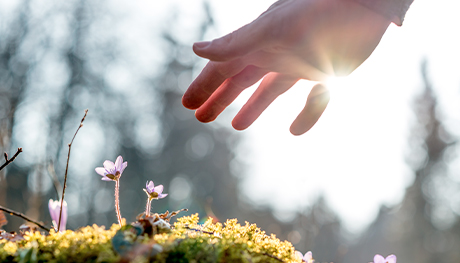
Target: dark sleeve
392,9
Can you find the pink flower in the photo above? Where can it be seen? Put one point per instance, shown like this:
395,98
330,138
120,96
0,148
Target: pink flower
112,171
55,208
308,257
379,259
154,192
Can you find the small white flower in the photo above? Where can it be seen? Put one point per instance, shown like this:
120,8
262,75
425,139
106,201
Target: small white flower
308,257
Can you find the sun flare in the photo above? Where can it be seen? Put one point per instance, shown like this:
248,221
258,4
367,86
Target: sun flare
334,82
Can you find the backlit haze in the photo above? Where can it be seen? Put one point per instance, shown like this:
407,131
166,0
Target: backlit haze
355,154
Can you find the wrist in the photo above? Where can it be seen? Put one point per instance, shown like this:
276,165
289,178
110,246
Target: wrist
394,10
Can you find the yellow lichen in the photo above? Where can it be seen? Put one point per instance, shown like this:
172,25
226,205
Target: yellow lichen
188,240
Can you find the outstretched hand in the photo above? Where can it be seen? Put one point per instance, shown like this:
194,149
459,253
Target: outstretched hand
292,40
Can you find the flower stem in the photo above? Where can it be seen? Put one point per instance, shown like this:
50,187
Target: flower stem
147,208
117,201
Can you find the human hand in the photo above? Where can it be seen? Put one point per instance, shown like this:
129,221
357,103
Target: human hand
292,40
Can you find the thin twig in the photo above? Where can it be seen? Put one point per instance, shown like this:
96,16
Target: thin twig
10,160
199,230
67,169
271,256
14,213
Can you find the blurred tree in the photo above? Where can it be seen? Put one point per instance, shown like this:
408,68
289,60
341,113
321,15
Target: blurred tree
316,228
14,67
48,77
146,124
422,228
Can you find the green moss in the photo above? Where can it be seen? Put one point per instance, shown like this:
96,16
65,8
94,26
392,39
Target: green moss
88,244
187,241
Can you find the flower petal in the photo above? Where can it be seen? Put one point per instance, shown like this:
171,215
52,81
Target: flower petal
57,208
101,171
105,178
118,163
379,259
162,196
110,167
308,256
150,186
299,255
123,166
391,259
159,189
52,209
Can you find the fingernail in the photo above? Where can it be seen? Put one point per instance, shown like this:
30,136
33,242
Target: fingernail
202,45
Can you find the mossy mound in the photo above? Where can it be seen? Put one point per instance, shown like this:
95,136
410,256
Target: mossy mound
187,241
87,244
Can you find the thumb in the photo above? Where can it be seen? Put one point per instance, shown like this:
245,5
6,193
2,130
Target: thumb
245,40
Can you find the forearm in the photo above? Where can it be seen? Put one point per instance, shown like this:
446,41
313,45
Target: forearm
395,10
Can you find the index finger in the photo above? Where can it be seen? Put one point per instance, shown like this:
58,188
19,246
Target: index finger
210,78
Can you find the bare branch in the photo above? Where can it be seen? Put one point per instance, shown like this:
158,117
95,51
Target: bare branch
67,169
8,161
199,230
271,256
14,213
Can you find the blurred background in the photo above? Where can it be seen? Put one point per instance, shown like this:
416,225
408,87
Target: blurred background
379,173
